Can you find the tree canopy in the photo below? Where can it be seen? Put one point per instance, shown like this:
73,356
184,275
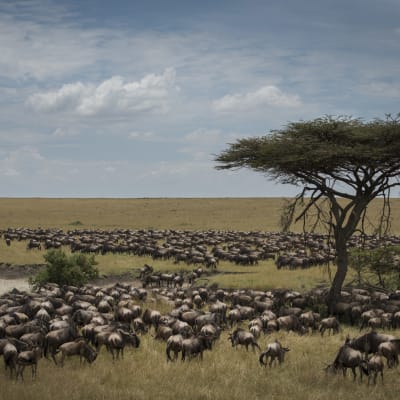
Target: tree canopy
331,159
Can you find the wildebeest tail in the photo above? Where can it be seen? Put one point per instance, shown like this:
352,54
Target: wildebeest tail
363,368
261,358
45,347
168,354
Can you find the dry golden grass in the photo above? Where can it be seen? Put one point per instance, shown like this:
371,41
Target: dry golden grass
224,373
244,214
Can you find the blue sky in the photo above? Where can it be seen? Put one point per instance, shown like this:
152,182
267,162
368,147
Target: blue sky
134,98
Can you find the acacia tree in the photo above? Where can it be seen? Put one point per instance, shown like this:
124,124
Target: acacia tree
341,165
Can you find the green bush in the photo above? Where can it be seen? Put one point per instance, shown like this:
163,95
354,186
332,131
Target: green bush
76,269
379,267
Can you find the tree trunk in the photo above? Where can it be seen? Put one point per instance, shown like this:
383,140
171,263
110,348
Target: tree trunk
340,275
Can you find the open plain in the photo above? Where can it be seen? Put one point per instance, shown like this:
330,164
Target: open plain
224,372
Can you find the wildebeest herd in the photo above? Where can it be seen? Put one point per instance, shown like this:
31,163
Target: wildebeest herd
59,322
198,248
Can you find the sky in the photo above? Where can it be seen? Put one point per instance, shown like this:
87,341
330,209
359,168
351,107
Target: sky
130,98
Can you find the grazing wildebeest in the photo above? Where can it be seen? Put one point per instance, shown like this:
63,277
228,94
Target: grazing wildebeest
274,350
329,324
348,357
240,336
79,348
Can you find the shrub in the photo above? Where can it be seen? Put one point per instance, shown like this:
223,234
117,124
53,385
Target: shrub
380,266
76,269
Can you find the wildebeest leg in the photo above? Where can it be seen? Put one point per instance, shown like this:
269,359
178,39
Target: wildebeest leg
20,372
53,355
62,359
112,353
353,369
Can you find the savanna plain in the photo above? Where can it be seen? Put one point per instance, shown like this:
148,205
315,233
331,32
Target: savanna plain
224,372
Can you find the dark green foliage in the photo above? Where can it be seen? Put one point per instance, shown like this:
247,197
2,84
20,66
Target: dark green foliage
379,267
328,146
331,159
75,269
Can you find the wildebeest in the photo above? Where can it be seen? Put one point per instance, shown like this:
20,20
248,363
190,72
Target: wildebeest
234,316
348,357
194,346
390,350
146,269
163,332
33,339
10,354
210,331
329,324
240,336
375,365
310,319
139,325
369,342
55,339
290,323
28,357
117,341
151,318
79,348
174,343
274,351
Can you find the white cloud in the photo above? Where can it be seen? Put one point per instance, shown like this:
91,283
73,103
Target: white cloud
112,96
20,161
265,96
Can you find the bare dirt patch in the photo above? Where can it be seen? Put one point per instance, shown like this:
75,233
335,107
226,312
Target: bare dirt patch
10,271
